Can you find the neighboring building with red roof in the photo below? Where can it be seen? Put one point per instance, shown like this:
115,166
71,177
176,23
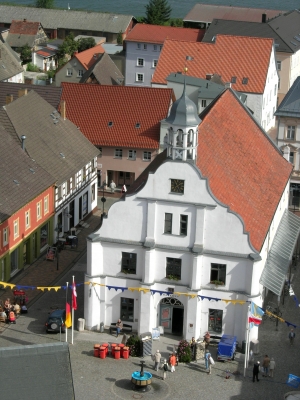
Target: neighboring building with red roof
74,69
211,223
143,46
201,15
228,56
122,121
22,32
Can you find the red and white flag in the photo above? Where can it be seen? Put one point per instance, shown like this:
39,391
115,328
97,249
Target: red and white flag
74,296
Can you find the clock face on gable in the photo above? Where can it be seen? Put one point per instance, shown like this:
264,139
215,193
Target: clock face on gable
177,186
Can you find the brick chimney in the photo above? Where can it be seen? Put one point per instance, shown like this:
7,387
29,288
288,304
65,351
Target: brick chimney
63,109
22,92
264,18
9,98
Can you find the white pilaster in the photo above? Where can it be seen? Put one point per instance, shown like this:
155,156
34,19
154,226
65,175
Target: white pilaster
147,313
192,325
94,311
149,266
196,274
94,258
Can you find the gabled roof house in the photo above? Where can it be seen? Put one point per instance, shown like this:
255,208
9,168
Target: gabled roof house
103,72
11,69
143,46
228,56
22,32
122,121
80,63
284,29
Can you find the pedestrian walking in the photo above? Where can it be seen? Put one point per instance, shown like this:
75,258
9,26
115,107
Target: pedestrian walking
266,364
193,348
207,356
124,189
112,186
272,367
165,369
207,339
256,371
172,362
156,358
292,336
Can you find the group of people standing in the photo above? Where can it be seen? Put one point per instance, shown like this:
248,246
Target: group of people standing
268,366
172,362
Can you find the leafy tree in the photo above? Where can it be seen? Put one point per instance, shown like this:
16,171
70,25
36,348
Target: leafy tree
66,49
176,22
85,43
120,38
44,3
157,12
25,54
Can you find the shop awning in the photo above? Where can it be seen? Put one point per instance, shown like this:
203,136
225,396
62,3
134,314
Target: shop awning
281,253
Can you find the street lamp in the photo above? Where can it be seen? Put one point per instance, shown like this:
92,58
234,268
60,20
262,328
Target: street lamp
103,199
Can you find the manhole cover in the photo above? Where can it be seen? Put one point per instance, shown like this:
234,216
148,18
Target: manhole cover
137,396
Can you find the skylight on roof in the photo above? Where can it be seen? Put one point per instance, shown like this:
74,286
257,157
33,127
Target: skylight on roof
297,38
110,123
62,155
295,44
32,170
16,182
137,125
245,81
233,79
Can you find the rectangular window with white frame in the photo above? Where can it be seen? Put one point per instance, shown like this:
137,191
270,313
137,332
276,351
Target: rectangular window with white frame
46,204
155,47
146,155
131,154
69,71
145,46
5,236
39,210
168,223
139,77
127,309
290,133
27,219
203,103
16,228
291,158
154,64
173,268
138,46
80,73
118,153
140,62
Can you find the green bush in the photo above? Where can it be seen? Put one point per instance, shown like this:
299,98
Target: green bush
32,68
184,351
134,344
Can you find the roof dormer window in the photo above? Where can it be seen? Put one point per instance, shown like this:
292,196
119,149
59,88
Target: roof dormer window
233,79
245,81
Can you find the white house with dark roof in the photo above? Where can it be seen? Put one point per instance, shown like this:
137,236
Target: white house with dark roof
206,214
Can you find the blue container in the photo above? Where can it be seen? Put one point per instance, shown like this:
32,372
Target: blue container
226,348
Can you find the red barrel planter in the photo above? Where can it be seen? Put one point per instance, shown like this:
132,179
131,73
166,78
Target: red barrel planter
113,346
96,350
125,352
121,345
102,352
117,352
106,347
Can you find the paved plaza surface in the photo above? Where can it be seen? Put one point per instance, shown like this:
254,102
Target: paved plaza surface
95,378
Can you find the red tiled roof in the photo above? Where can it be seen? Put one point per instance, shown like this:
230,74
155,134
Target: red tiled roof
158,34
228,56
92,107
86,57
24,27
245,170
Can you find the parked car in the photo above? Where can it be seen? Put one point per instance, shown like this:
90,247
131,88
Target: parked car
56,321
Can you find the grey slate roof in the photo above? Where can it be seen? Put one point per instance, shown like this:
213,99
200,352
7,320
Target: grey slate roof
58,146
51,94
241,28
16,165
20,40
290,105
9,66
36,372
68,19
287,26
105,72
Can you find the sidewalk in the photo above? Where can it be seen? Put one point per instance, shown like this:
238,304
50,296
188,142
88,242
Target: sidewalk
44,272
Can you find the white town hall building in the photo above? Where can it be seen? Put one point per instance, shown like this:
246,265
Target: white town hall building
204,221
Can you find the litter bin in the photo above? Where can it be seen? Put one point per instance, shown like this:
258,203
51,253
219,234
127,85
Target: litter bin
102,352
113,346
106,347
117,352
244,346
80,324
96,350
126,352
121,345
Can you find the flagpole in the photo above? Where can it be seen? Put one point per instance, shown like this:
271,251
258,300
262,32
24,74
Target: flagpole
72,312
66,310
247,341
